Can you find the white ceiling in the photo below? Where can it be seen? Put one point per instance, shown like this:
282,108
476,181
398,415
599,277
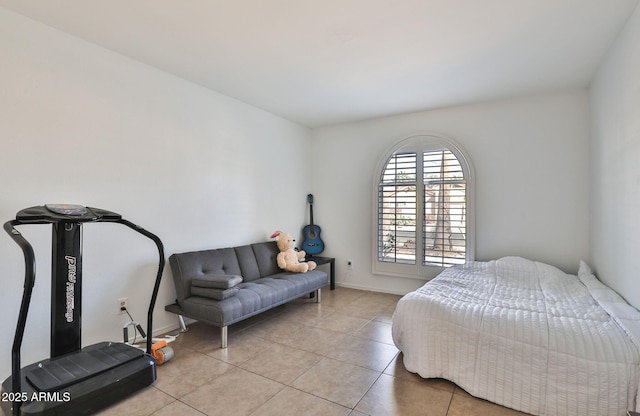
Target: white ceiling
321,62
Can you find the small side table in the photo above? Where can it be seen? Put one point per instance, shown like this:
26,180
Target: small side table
332,267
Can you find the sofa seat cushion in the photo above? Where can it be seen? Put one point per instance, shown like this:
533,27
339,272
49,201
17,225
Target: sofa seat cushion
253,297
302,282
216,281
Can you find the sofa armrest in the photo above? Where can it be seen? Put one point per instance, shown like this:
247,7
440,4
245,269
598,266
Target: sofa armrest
216,281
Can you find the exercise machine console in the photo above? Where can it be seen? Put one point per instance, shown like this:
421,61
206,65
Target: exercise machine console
74,380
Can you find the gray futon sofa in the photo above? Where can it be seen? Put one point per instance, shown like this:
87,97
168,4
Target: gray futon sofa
223,286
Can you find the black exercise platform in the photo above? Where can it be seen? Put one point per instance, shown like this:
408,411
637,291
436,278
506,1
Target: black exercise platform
74,380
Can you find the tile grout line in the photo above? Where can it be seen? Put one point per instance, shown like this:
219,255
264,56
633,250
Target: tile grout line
375,381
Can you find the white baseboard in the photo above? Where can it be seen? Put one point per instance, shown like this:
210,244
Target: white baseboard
369,289
165,329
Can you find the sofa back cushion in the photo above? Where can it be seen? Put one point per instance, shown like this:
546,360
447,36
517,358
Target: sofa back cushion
195,264
258,260
265,255
248,264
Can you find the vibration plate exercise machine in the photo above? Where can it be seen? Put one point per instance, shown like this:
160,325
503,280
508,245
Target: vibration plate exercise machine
74,380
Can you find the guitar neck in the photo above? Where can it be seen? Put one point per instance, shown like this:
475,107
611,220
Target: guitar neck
311,214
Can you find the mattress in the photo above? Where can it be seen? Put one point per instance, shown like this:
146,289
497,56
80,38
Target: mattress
525,335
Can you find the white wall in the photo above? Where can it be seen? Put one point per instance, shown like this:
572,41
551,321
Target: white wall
615,160
531,168
80,124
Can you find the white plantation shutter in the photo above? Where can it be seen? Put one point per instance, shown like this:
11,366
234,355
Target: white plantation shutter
397,209
422,208
444,226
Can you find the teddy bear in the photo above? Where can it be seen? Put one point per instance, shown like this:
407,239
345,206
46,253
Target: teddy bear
289,259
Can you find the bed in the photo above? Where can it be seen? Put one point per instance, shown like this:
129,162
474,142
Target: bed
525,335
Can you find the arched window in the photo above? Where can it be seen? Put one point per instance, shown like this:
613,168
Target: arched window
424,199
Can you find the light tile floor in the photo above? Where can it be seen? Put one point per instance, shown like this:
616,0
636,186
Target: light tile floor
303,358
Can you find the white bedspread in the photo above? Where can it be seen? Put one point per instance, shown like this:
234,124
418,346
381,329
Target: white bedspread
525,335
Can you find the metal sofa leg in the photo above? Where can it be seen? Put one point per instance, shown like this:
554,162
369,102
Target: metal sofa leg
318,295
223,337
183,326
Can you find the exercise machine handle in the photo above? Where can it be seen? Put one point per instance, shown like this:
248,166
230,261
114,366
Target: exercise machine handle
156,286
29,281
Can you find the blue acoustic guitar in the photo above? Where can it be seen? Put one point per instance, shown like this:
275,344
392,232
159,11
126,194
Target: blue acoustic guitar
312,243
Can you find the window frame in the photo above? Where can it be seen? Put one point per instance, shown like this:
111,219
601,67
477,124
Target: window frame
421,143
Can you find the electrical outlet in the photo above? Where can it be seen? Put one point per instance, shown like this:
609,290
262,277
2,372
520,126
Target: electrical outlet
349,265
122,303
